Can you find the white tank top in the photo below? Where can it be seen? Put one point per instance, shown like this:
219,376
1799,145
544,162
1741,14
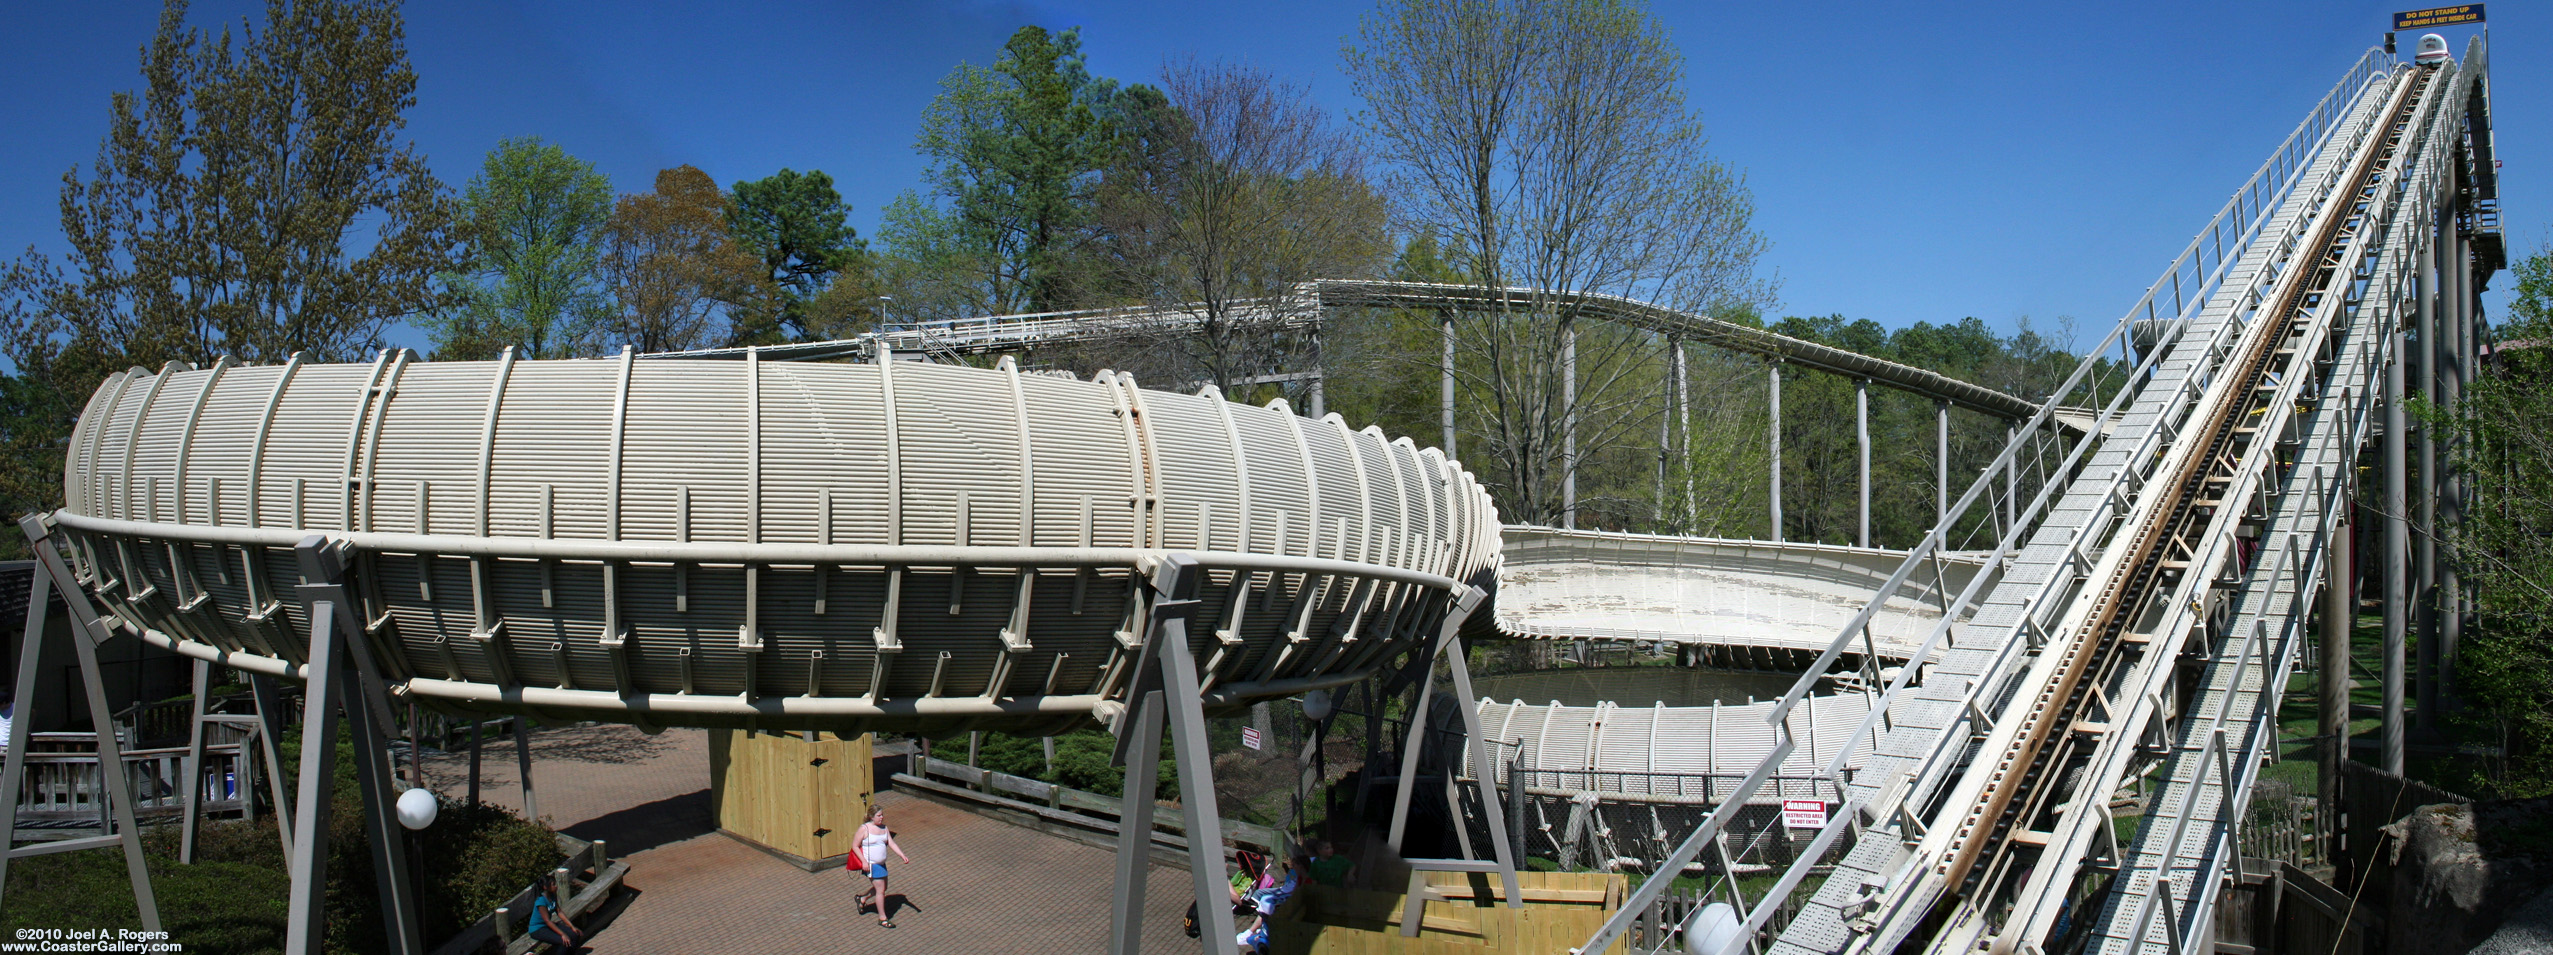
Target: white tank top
873,845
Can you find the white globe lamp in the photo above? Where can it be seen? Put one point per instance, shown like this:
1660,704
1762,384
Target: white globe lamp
1316,705
1712,930
417,808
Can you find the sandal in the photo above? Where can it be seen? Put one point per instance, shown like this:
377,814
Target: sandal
889,923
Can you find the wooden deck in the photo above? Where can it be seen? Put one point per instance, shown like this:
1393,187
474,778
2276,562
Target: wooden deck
1561,909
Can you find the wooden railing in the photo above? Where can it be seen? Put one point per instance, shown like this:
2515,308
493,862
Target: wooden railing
62,794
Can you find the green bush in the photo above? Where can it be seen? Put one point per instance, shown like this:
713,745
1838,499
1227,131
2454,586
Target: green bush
1081,761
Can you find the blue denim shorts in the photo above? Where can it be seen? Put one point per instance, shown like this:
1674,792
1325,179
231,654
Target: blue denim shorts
877,870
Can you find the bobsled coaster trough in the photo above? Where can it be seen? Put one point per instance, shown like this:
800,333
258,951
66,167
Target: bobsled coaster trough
760,544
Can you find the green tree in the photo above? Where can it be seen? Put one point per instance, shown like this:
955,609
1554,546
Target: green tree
1015,151
533,223
2504,545
798,227
253,199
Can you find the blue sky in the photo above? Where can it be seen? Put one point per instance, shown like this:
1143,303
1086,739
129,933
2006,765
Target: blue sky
1911,162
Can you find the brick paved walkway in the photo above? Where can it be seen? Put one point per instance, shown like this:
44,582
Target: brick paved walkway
976,885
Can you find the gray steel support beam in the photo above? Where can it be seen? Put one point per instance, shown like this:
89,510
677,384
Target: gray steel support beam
1484,777
1408,780
1167,692
342,679
1320,381
1941,462
1861,434
193,784
270,704
1774,415
2331,681
523,769
1684,437
1134,829
86,630
1197,808
475,732
2011,476
2396,573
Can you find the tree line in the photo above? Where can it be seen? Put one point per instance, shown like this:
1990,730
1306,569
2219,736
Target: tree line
256,198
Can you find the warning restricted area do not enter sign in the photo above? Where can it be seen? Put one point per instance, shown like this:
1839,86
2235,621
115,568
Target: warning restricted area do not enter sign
1804,814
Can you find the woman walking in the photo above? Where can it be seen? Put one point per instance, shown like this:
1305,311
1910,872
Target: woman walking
873,842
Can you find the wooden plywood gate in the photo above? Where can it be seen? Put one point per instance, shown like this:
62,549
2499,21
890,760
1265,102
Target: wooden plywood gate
794,797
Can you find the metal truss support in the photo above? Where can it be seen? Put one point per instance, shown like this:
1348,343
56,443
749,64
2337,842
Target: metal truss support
2397,546
351,687
87,631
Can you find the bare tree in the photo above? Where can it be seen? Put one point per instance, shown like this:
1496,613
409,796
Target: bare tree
1549,143
676,276
1224,198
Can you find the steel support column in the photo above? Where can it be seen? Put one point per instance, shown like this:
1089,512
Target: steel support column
1445,387
1861,434
2396,573
2331,682
2011,477
1684,438
86,632
1941,463
1134,830
2447,611
1568,424
2423,490
1774,415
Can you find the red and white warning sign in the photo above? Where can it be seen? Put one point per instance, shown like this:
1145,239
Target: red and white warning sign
1804,813
1250,738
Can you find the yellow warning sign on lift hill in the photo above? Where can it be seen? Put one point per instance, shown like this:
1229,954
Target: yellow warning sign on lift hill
2438,16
